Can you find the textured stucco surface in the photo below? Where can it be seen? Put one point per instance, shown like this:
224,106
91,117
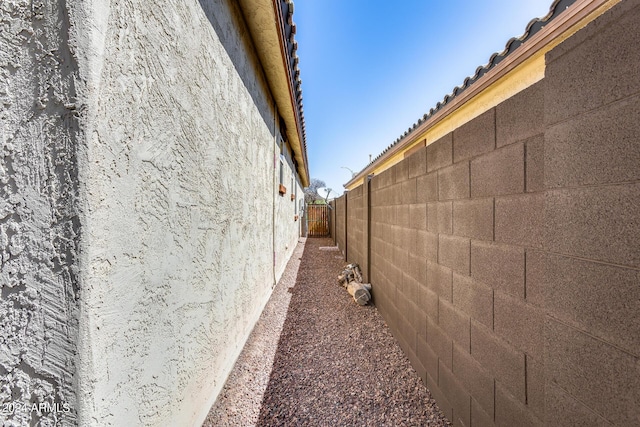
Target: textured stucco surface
141,229
180,194
287,228
39,223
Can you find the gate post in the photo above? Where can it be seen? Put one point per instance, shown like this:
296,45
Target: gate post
332,221
346,225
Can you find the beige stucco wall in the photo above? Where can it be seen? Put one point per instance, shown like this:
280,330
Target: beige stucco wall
180,205
287,228
140,216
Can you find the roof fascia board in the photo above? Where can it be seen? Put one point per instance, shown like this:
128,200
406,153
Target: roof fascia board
300,152
265,22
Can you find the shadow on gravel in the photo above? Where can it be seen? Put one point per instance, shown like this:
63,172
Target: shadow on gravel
337,364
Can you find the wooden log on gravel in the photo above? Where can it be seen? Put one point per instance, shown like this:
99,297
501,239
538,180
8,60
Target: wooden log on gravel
359,292
351,278
351,272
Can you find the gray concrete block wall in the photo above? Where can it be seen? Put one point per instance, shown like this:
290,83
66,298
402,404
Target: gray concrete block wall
591,226
437,268
504,256
340,226
355,225
475,137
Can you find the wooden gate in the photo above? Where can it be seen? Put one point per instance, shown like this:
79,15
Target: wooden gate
318,220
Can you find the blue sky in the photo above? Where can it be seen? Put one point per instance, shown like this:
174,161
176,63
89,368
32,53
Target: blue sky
371,68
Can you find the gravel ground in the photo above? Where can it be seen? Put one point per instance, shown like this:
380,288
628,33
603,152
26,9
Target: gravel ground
336,363
241,397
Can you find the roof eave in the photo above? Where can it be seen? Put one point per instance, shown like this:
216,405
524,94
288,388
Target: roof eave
266,23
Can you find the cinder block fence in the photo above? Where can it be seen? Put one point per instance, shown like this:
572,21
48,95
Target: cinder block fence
505,256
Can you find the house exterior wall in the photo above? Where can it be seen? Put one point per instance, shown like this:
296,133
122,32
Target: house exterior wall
186,231
39,215
142,230
504,256
287,228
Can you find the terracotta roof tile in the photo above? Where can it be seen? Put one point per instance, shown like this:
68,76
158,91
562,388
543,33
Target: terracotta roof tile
294,69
